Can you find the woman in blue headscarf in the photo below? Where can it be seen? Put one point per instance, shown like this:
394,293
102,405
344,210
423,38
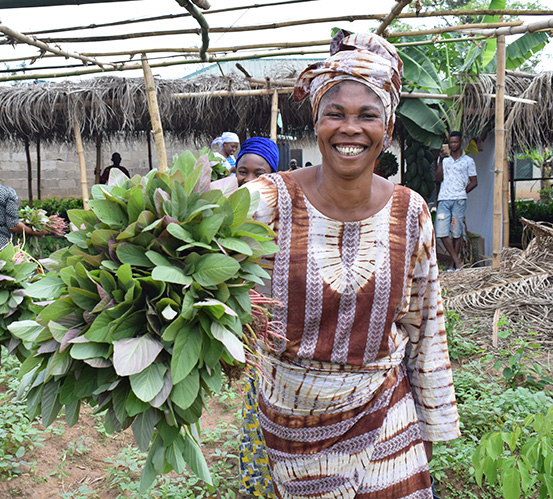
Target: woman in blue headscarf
257,156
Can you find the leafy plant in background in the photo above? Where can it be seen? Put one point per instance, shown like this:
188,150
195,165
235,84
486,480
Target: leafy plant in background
520,459
56,206
148,306
387,165
38,220
17,269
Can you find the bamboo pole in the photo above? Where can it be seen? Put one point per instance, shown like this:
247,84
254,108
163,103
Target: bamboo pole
175,16
196,14
153,107
274,116
29,172
396,10
499,152
82,162
513,30
38,169
505,197
98,169
12,34
271,26
470,29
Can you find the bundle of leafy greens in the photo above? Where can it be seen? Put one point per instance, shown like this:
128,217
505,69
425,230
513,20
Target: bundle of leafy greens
17,270
146,306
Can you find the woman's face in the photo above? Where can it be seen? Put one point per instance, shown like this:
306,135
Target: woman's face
229,148
249,167
350,129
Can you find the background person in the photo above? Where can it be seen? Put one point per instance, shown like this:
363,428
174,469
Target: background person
361,384
457,173
9,217
293,164
225,147
257,156
116,163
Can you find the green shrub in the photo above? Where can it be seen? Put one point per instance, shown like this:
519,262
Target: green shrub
538,211
56,206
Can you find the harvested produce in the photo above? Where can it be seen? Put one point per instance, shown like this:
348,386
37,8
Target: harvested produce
418,172
17,271
148,304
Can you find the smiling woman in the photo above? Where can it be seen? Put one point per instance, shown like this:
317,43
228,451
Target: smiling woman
351,398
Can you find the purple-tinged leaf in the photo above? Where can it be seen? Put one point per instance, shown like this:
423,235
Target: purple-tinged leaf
133,355
159,197
161,397
70,338
98,363
204,178
48,347
227,185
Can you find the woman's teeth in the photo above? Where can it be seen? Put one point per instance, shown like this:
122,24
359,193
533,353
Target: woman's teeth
349,150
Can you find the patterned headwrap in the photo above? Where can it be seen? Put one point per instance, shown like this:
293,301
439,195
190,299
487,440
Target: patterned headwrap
365,58
224,139
263,147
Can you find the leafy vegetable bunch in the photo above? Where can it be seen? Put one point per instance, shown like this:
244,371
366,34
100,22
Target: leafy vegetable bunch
149,302
17,270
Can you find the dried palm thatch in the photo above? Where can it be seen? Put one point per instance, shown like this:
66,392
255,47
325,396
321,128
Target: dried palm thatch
522,287
478,101
117,107
530,126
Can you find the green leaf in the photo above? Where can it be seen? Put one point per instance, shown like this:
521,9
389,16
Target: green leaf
149,473
58,364
234,244
72,412
109,212
82,351
233,345
424,116
136,204
213,269
182,234
26,330
133,355
84,299
158,259
184,392
174,454
240,202
186,353
195,459
149,382
511,483
209,226
171,274
134,406
143,428
132,254
50,286
50,403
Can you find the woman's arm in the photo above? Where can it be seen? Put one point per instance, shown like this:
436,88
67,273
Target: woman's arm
21,228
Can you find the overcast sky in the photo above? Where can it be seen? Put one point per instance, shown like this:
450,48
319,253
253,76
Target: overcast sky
41,18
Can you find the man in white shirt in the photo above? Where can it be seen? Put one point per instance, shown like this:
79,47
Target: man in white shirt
457,174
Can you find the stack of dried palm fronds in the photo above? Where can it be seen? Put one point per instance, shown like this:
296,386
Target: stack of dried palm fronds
520,289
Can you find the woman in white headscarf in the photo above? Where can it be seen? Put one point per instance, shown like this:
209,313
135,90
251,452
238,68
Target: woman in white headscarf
225,147
352,398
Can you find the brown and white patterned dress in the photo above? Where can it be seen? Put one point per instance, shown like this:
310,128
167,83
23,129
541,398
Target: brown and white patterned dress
363,376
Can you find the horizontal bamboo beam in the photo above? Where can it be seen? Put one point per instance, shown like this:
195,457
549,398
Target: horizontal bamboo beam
470,29
514,30
377,17
164,17
14,35
259,27
289,90
513,99
132,67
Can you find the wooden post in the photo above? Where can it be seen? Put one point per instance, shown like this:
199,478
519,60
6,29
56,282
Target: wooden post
513,218
499,152
82,162
153,107
274,116
29,172
505,196
38,169
149,141
98,169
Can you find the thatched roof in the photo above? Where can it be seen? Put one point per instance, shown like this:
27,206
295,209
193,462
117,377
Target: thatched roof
114,106
117,106
527,125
